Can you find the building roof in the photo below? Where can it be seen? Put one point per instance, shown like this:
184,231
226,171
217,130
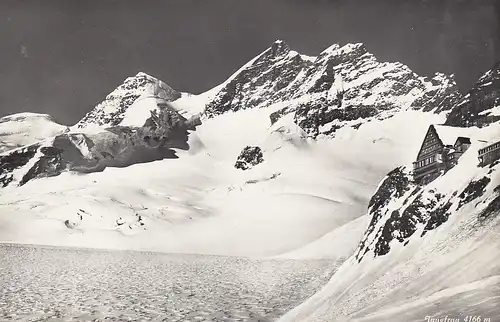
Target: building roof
449,134
463,140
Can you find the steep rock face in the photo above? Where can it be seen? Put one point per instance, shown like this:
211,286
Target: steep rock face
396,185
481,105
343,86
114,109
117,146
15,160
263,81
23,129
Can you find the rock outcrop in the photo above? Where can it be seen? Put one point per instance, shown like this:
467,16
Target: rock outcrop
481,105
249,157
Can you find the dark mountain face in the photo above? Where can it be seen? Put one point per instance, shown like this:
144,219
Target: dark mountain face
136,124
343,86
481,105
261,82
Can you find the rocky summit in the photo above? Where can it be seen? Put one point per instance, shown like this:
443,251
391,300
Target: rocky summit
120,102
343,86
481,105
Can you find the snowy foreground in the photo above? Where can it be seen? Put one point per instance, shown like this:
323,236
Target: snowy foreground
57,284
308,200
315,205
300,215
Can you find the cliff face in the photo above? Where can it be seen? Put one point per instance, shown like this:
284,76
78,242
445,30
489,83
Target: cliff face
401,210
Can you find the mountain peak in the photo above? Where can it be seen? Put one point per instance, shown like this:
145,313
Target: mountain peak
280,75
141,87
146,75
279,47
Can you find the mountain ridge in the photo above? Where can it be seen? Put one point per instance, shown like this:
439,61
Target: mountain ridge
279,75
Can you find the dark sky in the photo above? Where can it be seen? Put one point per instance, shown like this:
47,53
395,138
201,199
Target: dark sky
61,57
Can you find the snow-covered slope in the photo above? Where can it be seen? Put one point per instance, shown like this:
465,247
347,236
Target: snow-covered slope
302,192
343,86
428,251
22,129
117,146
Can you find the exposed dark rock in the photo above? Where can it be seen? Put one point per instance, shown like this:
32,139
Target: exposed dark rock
325,81
70,224
429,210
400,226
14,160
493,208
118,146
437,217
474,190
48,165
260,82
275,116
394,186
124,96
311,116
473,108
439,100
249,157
281,75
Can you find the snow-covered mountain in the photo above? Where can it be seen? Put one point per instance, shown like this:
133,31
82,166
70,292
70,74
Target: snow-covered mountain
134,124
293,157
130,103
27,128
481,104
342,86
